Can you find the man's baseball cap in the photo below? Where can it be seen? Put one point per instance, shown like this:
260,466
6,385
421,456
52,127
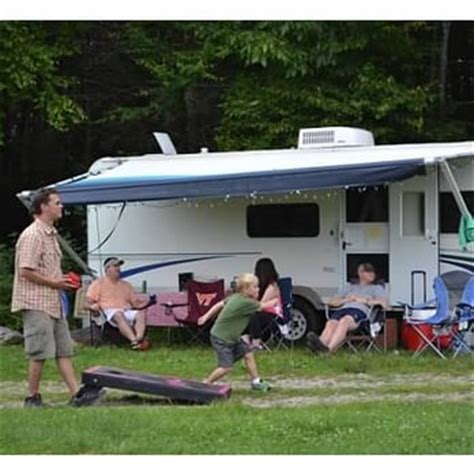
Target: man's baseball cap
112,261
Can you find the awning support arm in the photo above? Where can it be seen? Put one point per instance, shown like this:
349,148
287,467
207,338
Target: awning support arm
448,174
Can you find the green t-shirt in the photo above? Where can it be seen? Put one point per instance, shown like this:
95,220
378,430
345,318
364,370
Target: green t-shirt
234,317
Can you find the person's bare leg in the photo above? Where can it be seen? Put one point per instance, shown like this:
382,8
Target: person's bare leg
123,326
66,370
140,325
217,373
328,332
251,365
35,371
344,325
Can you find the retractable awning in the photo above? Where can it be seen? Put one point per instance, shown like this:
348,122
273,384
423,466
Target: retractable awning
205,175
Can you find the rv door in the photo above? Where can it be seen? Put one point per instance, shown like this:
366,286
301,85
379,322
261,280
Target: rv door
413,238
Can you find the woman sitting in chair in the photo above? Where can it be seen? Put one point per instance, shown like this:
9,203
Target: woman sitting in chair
354,304
261,322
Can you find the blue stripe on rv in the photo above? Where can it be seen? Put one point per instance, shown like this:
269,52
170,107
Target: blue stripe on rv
465,266
154,266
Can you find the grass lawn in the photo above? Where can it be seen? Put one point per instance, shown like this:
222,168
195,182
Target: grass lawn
346,404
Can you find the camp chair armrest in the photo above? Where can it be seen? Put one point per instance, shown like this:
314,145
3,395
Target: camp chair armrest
426,304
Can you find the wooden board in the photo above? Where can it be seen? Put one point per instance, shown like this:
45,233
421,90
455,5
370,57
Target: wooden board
169,387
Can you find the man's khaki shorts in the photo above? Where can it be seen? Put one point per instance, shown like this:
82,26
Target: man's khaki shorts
46,337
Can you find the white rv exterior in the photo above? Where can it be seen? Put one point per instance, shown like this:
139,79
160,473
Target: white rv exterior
209,237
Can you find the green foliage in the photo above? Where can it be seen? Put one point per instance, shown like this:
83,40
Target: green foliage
30,58
12,321
280,76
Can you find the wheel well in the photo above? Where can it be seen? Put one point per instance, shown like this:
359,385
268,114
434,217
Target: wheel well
315,316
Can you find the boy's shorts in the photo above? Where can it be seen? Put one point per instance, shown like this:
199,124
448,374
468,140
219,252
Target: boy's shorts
228,353
46,337
130,315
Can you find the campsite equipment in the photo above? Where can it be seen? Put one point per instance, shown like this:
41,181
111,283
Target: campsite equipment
169,387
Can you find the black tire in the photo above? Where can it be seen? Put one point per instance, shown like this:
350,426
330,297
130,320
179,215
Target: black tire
303,319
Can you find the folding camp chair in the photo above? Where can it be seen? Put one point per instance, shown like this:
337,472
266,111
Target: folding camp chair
464,318
201,297
446,289
81,312
100,330
280,330
366,335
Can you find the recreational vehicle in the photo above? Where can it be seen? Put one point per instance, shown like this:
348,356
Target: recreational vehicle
317,210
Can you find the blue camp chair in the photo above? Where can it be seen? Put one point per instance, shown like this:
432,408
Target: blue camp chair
441,322
464,318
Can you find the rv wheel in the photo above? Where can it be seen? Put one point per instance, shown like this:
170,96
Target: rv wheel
303,315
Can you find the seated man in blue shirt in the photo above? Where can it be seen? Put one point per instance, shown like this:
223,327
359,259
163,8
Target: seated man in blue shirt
354,304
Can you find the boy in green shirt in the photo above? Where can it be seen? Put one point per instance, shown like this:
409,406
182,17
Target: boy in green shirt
234,315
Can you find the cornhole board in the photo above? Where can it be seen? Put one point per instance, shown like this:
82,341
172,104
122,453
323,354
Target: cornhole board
169,387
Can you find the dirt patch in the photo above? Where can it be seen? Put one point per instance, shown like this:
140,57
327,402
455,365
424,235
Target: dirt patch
360,388
355,398
363,381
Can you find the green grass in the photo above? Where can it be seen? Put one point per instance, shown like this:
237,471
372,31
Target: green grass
127,424
198,362
234,429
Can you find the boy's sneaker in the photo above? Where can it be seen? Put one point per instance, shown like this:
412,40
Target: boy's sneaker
260,386
87,396
34,401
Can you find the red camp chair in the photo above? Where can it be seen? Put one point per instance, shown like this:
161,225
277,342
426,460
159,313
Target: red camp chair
201,297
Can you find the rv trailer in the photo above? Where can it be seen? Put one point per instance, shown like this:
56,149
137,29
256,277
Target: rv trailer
317,210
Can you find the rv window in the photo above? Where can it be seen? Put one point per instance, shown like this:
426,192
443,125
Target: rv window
449,214
370,205
283,220
380,262
413,213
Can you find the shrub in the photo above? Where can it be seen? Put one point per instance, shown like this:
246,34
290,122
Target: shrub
7,255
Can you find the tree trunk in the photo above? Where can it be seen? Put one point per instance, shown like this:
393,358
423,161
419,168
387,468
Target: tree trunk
443,64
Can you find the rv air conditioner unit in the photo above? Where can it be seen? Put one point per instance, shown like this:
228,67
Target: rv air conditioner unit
328,137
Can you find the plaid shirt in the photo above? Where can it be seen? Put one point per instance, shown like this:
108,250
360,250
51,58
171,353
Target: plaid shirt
37,249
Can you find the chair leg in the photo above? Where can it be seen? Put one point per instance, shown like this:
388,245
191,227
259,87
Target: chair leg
461,344
429,343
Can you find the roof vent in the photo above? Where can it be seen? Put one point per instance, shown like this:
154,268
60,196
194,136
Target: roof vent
334,137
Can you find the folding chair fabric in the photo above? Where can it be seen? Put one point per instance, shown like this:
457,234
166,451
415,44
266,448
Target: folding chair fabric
464,317
441,322
201,297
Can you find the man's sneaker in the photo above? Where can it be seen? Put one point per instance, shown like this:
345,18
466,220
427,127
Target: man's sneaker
87,396
315,344
34,401
135,345
140,345
144,345
260,386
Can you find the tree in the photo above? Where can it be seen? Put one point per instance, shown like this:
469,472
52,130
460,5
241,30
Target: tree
30,56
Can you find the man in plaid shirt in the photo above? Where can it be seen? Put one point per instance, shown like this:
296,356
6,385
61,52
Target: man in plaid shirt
37,287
